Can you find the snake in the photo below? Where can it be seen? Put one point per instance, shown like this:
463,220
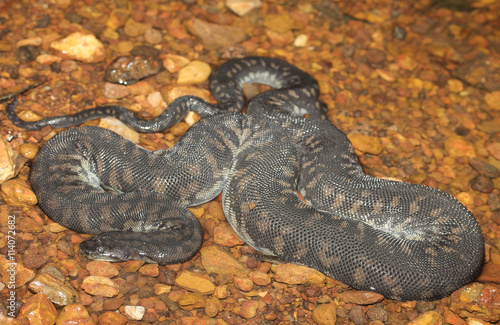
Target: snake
404,241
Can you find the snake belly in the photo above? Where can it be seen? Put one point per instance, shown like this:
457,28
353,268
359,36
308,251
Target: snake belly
405,241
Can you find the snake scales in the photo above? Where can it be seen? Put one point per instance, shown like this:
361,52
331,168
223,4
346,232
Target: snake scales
402,240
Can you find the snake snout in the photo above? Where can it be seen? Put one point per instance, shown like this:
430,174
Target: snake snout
100,248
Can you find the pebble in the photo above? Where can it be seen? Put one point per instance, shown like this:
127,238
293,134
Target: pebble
399,32
312,291
48,59
430,317
490,126
162,289
28,150
280,39
113,303
112,318
243,283
28,225
170,93
115,91
57,291
150,270
455,85
361,297
55,227
119,127
152,36
214,36
216,210
490,273
174,62
7,160
493,100
494,150
191,118
29,116
80,46
156,100
23,275
249,309
26,54
151,316
195,282
127,70
476,300
457,146
216,260
376,57
452,318
260,278
73,17
484,168
142,88
300,40
176,29
475,321
100,286
297,274
279,23
406,62
179,129
34,41
69,66
132,266
34,261
224,235
378,314
190,301
213,306
425,306
133,28
482,184
366,143
494,202
357,315
18,193
74,314
117,18
102,268
134,312
221,292
243,7
194,73
52,270
5,46
325,314
37,308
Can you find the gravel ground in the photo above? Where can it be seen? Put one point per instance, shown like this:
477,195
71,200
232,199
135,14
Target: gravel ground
415,85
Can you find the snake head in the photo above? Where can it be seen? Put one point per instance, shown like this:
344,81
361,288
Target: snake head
98,248
166,246
111,247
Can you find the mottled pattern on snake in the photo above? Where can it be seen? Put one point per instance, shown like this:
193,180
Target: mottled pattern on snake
402,240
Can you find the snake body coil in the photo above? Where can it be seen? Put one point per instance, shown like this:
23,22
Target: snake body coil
402,240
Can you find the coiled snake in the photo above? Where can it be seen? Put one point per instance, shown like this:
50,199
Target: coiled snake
402,240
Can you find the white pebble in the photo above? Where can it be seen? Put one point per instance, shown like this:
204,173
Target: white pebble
301,40
134,312
242,7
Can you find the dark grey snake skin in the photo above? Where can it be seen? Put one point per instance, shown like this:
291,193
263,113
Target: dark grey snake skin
402,240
